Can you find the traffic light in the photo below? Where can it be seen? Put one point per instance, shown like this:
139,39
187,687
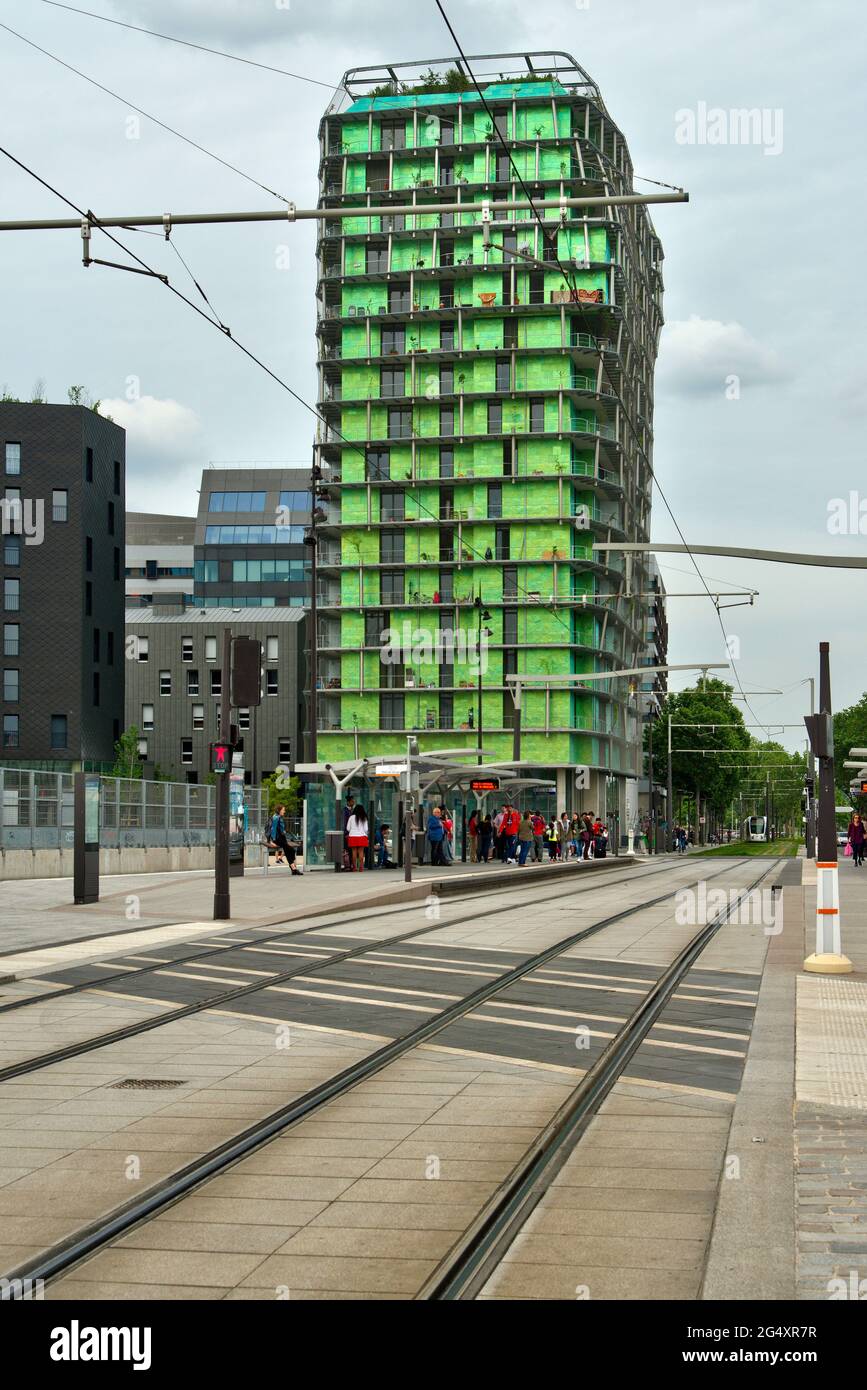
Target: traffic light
221,757
821,731
246,672
810,787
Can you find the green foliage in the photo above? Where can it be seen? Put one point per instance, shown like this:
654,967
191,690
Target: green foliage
451,81
127,761
277,793
709,702
850,731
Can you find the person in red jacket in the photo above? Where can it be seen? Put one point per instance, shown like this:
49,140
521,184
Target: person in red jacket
857,835
509,832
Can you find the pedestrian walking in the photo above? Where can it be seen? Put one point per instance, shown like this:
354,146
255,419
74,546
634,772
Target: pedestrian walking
448,836
358,837
278,838
525,838
552,835
857,835
586,834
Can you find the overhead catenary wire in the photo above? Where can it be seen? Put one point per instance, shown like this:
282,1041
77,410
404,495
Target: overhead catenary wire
141,112
187,43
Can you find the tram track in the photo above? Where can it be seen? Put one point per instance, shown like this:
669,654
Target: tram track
225,997
471,1262
97,1235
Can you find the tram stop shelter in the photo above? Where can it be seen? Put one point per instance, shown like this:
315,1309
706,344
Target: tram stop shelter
379,785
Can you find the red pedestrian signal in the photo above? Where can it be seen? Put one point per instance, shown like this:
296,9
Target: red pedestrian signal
221,757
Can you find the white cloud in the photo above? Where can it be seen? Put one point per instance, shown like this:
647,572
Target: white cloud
160,433
699,356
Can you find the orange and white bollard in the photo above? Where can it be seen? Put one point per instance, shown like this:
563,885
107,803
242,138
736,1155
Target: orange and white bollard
828,958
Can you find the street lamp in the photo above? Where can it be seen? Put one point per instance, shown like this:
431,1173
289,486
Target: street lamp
483,617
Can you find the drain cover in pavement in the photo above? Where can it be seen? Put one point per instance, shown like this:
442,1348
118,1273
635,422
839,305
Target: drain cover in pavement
145,1083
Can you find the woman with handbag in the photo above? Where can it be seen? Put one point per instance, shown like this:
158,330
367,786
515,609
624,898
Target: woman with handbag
857,835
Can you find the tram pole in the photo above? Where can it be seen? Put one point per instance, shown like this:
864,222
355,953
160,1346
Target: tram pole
828,958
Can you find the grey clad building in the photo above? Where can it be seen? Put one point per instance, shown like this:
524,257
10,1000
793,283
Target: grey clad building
249,538
174,687
63,585
159,558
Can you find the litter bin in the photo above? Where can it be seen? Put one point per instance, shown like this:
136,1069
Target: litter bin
420,842
334,847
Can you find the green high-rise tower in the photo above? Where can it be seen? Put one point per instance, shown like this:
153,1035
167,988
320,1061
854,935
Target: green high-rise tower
487,379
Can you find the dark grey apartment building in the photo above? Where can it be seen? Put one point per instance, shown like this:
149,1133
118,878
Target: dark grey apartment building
249,538
174,687
63,585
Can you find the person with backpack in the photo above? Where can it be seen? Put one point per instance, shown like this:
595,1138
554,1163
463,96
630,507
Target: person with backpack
277,837
552,835
538,837
357,838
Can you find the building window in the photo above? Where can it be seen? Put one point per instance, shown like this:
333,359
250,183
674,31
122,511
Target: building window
504,374
11,686
447,253
501,543
272,648
447,171
399,424
392,382
399,299
216,682
10,730
142,748
11,594
510,239
510,333
115,567
391,711
117,477
495,501
537,417
12,550
393,222
447,337
88,599
60,504
111,518
447,420
13,460
391,547
374,626
391,506
165,683
495,418
508,459
272,683
447,711
446,587
447,380
192,683
88,465
186,649
109,648
510,627
393,136
142,647
88,554
243,719
11,639
186,751
96,690
198,716
447,132
377,260
210,648
284,750
147,717
537,287
59,731
393,341
96,644
379,465
510,581
447,463
391,587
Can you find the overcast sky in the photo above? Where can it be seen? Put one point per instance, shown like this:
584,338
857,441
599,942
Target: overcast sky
761,387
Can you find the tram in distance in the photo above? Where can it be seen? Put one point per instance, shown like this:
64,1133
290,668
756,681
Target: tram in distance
755,828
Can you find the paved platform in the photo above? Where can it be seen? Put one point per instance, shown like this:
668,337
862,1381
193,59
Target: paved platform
729,1162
